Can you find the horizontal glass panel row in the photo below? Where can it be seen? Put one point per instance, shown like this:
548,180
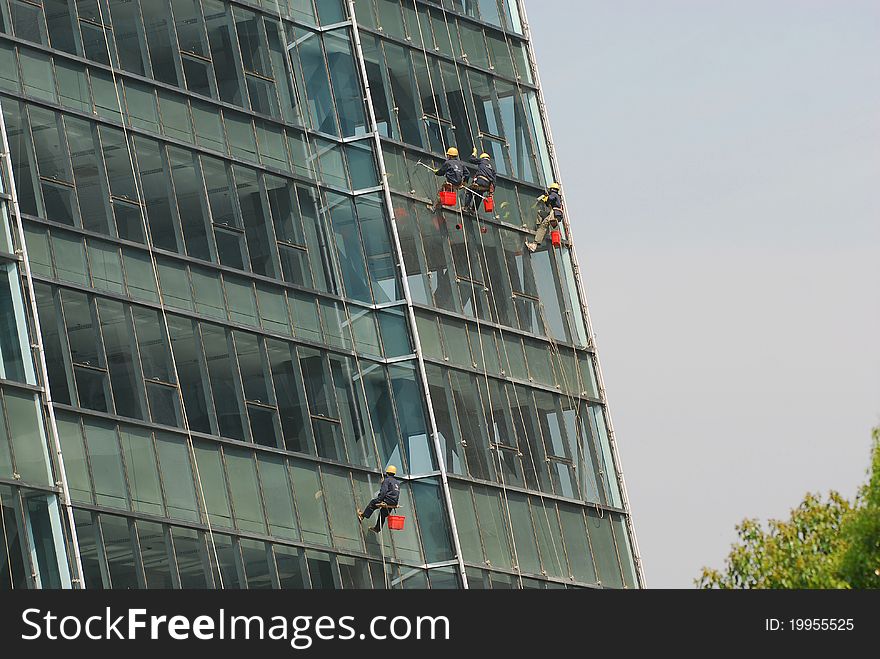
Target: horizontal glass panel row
524,437
24,454
540,537
501,13
91,90
121,552
452,264
107,356
227,487
437,29
212,48
58,254
202,206
506,354
432,103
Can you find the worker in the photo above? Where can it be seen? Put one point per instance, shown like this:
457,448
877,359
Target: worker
484,180
454,170
388,498
552,201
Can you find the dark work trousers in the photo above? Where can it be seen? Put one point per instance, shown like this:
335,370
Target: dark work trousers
372,507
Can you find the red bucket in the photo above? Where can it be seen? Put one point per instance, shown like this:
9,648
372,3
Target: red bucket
489,204
556,237
448,197
395,522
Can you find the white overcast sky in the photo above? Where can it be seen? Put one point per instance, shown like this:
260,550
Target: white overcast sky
722,168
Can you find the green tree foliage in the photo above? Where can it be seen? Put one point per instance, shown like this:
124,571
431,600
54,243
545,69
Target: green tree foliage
860,563
824,544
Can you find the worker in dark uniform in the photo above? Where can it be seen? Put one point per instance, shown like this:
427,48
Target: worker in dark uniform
388,498
454,170
484,180
552,201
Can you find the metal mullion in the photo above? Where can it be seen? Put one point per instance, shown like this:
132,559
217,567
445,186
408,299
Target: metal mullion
173,567
207,216
168,171
64,341
236,209
269,227
206,377
101,550
237,382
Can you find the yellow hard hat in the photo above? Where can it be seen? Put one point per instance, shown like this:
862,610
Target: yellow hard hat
390,469
553,186
452,152
484,155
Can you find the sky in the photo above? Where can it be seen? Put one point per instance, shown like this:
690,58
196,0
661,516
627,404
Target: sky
721,169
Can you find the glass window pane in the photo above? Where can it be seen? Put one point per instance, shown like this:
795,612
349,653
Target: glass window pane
143,474
466,523
36,73
340,503
273,309
208,293
290,397
90,554
75,464
139,275
225,559
256,563
191,555
120,552
549,534
354,572
242,304
105,266
176,291
278,497
291,567
320,570
180,494
155,555
624,551
70,261
220,358
310,502
118,341
602,542
213,482
152,343
28,441
245,491
493,527
431,508
106,461
193,375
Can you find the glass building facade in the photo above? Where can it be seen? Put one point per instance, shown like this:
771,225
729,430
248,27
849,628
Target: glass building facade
226,306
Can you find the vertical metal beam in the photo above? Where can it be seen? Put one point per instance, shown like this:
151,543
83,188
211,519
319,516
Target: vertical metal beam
389,204
542,106
6,156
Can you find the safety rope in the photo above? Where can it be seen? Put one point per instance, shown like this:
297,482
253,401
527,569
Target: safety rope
482,351
348,316
520,408
504,344
470,276
153,262
554,346
576,407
